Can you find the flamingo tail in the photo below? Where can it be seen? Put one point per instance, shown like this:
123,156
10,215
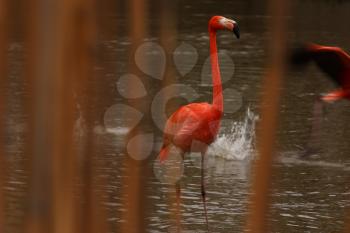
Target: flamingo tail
163,154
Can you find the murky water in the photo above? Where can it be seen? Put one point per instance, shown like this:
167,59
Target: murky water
310,195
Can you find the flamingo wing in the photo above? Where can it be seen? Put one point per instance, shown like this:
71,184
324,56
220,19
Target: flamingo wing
331,60
184,136
193,122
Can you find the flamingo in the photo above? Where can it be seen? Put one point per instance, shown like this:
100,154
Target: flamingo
193,127
333,61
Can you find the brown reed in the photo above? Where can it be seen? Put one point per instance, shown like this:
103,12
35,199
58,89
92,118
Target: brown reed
257,219
134,187
3,81
60,36
168,40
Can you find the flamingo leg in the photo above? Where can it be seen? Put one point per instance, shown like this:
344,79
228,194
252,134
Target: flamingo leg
315,130
203,191
178,201
178,210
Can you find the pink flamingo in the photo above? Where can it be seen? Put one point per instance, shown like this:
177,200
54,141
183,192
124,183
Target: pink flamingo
334,62
193,127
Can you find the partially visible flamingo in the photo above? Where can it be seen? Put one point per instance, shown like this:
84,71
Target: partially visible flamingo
333,61
193,127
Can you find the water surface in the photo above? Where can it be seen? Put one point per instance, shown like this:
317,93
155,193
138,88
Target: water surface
308,195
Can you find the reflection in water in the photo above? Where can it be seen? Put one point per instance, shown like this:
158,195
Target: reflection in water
292,160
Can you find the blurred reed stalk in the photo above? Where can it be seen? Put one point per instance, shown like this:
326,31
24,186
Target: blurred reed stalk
134,187
91,215
347,222
257,219
3,82
40,44
59,38
168,40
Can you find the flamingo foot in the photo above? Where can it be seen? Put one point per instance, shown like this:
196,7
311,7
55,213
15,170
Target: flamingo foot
335,95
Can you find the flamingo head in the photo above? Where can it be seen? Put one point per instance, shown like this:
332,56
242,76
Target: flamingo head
222,23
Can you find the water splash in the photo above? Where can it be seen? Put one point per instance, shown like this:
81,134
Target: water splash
239,143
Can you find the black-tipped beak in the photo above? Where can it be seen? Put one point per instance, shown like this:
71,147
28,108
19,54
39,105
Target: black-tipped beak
236,30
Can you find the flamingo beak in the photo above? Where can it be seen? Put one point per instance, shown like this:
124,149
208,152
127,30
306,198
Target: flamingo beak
232,25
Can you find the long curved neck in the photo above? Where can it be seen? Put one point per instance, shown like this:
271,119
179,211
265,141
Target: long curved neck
218,102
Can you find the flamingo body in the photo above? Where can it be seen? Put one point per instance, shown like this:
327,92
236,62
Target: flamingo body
334,62
195,126
192,128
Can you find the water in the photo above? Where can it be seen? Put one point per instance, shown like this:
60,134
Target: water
239,142
308,195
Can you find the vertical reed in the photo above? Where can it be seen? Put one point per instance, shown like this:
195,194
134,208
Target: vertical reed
60,40
39,38
134,191
64,70
168,39
3,81
260,199
92,214
347,223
